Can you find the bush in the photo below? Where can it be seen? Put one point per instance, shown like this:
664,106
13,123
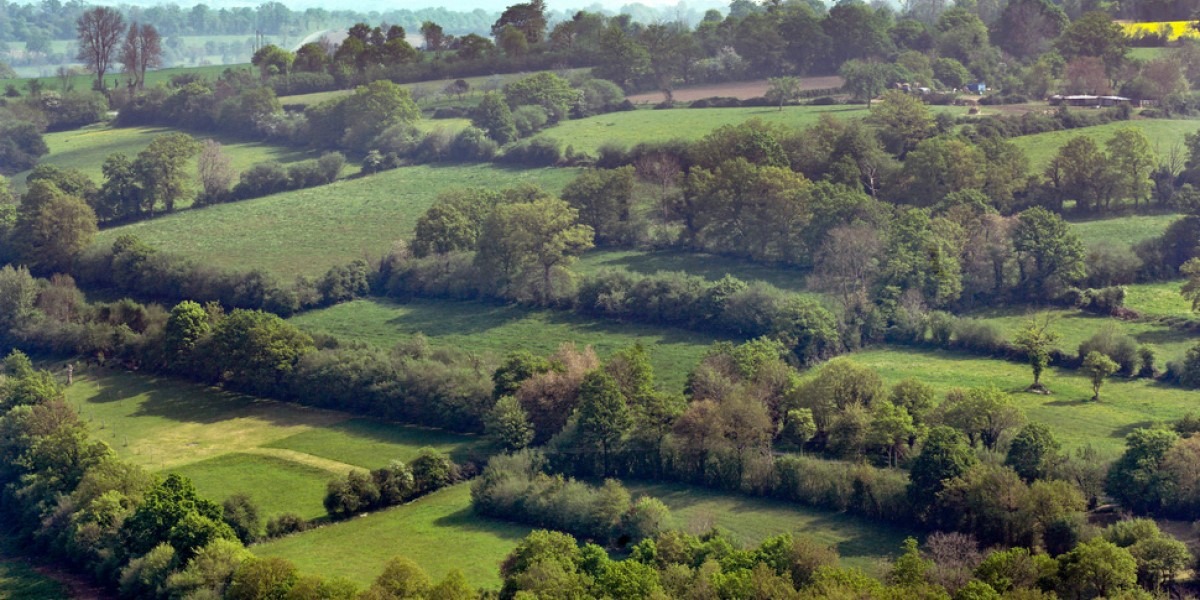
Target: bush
529,120
1188,372
260,180
977,336
536,152
599,96
473,145
1122,349
716,102
286,524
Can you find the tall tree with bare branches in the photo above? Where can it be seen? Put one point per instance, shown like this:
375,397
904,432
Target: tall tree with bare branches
99,33
142,50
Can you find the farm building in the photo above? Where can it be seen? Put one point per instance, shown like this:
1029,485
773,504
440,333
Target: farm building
1087,100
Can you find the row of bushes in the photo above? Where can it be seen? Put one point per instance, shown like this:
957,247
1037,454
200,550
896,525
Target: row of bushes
387,486
266,178
677,299
758,101
517,487
133,268
1008,126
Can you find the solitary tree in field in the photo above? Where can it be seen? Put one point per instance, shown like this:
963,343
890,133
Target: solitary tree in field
1036,340
1098,366
1191,287
99,31
783,90
142,50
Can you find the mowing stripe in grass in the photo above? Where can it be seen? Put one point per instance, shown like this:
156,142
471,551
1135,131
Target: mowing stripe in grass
276,485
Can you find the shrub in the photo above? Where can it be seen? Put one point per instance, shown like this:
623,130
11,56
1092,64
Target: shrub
260,180
977,336
1122,349
536,152
286,524
473,145
529,120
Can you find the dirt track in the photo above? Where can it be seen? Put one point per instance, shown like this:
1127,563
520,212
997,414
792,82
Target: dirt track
738,89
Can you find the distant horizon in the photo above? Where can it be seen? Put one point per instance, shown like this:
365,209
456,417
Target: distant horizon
459,6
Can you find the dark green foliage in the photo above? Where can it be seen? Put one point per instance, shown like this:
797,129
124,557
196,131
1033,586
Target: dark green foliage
242,515
21,145
1137,480
172,510
944,456
1033,452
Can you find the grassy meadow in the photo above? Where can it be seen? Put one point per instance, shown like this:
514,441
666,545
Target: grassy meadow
1075,326
1164,134
305,232
83,82
498,329
860,542
87,148
19,581
1076,421
1125,230
1161,299
647,125
281,454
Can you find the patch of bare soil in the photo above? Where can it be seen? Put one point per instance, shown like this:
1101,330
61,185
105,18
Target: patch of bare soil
737,89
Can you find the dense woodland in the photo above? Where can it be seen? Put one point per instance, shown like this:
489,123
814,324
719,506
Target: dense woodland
901,223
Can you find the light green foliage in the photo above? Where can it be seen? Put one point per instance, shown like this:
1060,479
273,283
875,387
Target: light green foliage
52,227
865,80
1191,285
532,238
495,117
508,424
454,222
160,169
783,89
903,121
18,292
1097,568
373,108
401,579
1132,158
1050,252
1098,367
984,415
603,413
547,90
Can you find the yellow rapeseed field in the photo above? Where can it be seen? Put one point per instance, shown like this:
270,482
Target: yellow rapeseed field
1178,29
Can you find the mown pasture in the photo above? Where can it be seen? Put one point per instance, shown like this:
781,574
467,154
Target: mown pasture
497,329
281,454
1075,326
1124,230
1160,299
87,148
1164,135
646,125
860,542
305,232
1126,404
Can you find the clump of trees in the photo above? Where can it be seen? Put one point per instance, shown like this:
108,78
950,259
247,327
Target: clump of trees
394,484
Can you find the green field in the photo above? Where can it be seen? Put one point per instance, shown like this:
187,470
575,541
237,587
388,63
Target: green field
708,266
1161,299
277,485
1147,53
85,149
438,531
646,125
1163,133
280,454
1075,326
371,444
860,542
1125,404
1127,231
498,329
153,78
307,231
19,581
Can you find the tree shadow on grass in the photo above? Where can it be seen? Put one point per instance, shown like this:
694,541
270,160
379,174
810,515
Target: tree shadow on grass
465,519
453,317
1128,428
464,447
185,402
711,268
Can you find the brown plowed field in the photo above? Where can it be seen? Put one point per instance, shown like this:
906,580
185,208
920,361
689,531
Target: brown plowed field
738,89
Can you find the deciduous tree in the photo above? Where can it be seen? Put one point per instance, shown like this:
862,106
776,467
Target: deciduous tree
141,50
99,32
